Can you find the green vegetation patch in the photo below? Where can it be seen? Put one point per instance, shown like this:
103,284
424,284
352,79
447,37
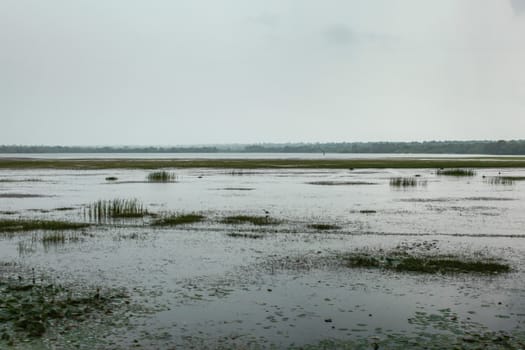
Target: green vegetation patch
161,176
29,309
31,225
248,219
444,264
179,219
456,172
111,178
324,227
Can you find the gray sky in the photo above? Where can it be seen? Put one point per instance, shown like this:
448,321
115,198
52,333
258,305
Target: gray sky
222,71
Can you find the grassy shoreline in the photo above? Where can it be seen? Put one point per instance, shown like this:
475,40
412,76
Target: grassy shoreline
408,163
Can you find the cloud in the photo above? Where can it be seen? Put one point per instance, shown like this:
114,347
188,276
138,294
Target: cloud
339,34
518,6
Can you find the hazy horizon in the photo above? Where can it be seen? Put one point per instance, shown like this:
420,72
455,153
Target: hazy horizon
201,72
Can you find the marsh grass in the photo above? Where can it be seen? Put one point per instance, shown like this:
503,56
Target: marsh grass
456,172
111,178
115,208
54,238
249,219
406,182
444,264
161,176
179,219
31,225
499,180
324,227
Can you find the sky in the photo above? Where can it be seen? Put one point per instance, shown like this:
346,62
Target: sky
187,72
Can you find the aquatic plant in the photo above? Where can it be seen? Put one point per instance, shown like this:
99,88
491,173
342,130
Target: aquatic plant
162,176
54,238
111,178
115,208
29,225
179,219
403,262
245,235
323,227
29,309
456,172
406,182
341,183
499,180
249,219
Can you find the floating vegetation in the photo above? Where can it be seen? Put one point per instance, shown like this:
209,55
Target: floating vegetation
406,182
341,183
245,235
324,227
29,309
179,219
31,225
445,264
248,219
162,176
456,172
115,208
111,178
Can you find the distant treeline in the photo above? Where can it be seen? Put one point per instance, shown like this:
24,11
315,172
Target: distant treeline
514,147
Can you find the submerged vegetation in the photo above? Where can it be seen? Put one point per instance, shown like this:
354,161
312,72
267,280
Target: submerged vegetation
456,172
162,176
445,264
179,219
249,219
116,208
31,225
28,309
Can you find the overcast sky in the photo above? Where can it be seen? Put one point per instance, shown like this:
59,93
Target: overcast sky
163,72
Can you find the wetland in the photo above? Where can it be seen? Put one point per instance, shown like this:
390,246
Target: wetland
262,254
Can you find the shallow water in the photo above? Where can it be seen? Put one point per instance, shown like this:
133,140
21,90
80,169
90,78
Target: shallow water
198,287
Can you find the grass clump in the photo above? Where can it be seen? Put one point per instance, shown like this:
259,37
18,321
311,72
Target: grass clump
249,219
341,183
161,176
324,227
406,182
456,172
445,264
31,225
111,178
116,208
179,219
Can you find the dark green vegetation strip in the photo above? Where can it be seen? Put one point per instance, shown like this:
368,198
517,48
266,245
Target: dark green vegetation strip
425,264
456,172
174,220
248,219
85,164
323,227
115,208
29,309
29,225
